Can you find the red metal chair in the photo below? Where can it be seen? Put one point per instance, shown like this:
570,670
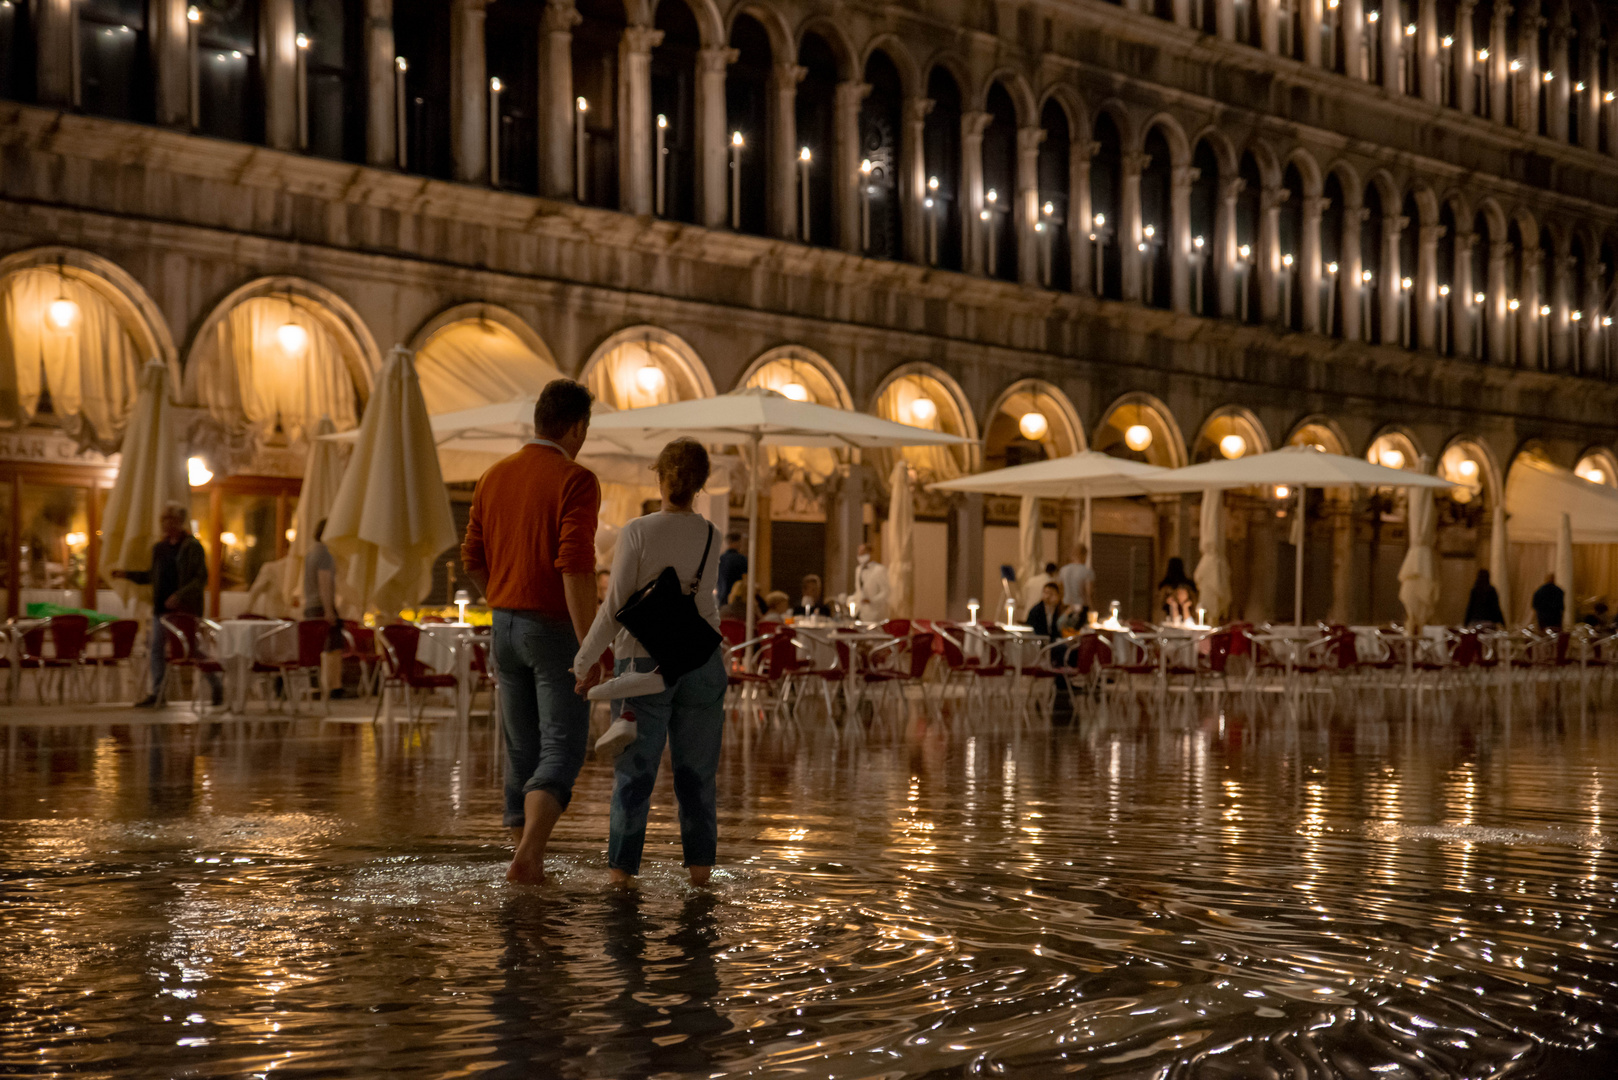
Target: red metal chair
67,634
188,643
400,641
905,664
119,637
481,665
359,645
972,670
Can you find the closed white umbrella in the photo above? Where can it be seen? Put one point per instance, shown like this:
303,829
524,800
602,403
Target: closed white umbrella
756,417
1418,574
1564,569
151,474
1029,548
1213,568
322,474
1539,494
1300,467
1499,560
899,544
391,516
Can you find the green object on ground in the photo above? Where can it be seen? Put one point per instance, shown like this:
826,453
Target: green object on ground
45,611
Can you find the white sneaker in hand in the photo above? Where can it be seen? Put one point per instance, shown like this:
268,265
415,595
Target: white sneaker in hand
628,685
618,737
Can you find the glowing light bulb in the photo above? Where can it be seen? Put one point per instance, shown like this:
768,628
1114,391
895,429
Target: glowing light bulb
193,14
932,181
1478,298
1233,446
662,121
993,196
805,156
1467,468
1393,458
1286,260
1138,437
1048,209
75,539
1483,54
292,338
796,391
1405,283
197,472
1548,76
1101,220
1245,251
650,378
62,313
1033,426
291,535
865,166
1577,316
1149,231
404,65
1544,310
1596,476
923,410
983,215
228,539
1366,276
1516,65
1282,491
1410,30
581,104
1512,305
1447,41
736,139
1443,290
1331,268
1197,242
1372,16
302,41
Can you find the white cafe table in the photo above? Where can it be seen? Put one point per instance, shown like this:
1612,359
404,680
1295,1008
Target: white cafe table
239,642
821,638
447,648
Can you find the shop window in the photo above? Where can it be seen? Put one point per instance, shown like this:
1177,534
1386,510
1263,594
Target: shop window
228,77
54,545
114,70
334,59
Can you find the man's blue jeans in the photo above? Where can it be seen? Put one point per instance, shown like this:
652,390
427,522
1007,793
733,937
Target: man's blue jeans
547,725
158,659
690,715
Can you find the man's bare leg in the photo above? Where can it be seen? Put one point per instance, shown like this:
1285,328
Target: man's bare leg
541,812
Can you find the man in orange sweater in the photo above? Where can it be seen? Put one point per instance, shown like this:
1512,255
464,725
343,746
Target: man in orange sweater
530,546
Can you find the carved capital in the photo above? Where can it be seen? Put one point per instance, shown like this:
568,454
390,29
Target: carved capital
1135,164
641,39
1465,239
1315,207
1185,176
561,17
851,93
1432,234
917,109
974,124
1272,197
714,59
1231,188
1499,251
1029,138
787,76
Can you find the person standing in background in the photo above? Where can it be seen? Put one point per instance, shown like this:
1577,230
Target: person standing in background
1483,603
870,587
530,546
178,577
320,602
732,566
1079,582
1549,604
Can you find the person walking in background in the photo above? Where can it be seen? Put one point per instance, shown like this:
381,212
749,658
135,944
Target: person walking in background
1079,581
732,567
690,714
1549,604
320,602
870,587
1483,603
530,546
179,579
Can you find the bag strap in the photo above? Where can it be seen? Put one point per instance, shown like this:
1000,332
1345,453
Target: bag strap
703,565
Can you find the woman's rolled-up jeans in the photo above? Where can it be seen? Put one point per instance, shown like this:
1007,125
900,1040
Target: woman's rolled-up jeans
690,716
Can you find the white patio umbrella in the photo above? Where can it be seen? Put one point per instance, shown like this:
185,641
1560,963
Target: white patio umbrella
1564,567
1300,467
391,515
1500,560
1030,546
756,417
322,474
1213,568
151,474
1539,494
899,543
1418,574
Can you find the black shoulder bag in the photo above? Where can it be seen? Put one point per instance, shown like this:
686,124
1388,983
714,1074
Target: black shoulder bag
663,617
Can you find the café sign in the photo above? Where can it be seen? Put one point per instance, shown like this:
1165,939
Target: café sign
50,448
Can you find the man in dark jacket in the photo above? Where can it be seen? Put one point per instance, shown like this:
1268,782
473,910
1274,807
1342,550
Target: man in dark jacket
1549,604
179,578
732,566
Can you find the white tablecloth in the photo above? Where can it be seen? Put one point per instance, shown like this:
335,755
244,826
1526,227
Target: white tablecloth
239,642
446,648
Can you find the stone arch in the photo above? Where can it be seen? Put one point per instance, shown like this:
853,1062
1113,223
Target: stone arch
1125,123
894,399
1396,437
1308,168
1462,448
713,27
834,35
1526,223
1494,214
1071,102
116,285
612,371
1426,201
480,354
1598,465
1392,197
810,360
955,66
1167,447
895,49
1225,150
1318,429
1228,422
346,321
1349,178
1533,446
1022,95
1064,430
484,312
1269,162
783,46
1459,205
1173,134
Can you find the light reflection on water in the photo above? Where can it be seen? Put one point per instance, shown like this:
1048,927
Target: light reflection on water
1210,897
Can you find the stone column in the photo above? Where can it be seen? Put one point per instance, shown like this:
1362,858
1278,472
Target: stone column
1225,18
1501,81
1309,272
1611,111
57,53
913,178
847,163
783,153
965,553
1344,584
1267,256
1179,238
1430,63
970,200
1464,313
171,62
1495,317
381,151
1353,33
1129,223
710,143
1222,259
1182,12
469,92
1526,50
556,176
1388,290
279,66
1269,36
1590,104
635,118
1080,216
846,525
1390,29
1466,51
1528,313
1557,293
1424,331
1312,16
1349,271
1025,212
1559,91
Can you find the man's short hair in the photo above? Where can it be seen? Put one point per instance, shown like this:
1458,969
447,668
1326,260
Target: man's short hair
733,538
176,509
1050,568
561,405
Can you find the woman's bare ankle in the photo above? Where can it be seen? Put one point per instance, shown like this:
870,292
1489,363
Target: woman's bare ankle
620,879
700,875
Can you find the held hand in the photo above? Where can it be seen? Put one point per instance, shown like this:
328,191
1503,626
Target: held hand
172,603
590,679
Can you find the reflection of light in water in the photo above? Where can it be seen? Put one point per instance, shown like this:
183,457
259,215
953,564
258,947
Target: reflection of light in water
1461,799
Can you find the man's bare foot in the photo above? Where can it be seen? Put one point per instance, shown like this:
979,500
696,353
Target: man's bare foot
618,879
526,871
699,875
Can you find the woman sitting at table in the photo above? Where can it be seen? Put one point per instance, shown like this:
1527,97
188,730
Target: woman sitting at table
1177,594
1044,616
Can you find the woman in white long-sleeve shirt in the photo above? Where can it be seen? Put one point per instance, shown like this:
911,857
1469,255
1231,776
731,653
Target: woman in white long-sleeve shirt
690,715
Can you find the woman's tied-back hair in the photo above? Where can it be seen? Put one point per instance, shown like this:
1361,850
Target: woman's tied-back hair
683,465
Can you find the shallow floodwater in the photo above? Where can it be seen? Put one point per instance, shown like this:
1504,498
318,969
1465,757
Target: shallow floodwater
1185,895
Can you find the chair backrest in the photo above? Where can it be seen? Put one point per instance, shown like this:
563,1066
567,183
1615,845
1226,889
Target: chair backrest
1219,643
121,634
921,651
180,636
361,639
950,645
734,631
1342,647
1468,649
33,642
253,615
897,627
780,655
1093,650
312,635
68,634
399,644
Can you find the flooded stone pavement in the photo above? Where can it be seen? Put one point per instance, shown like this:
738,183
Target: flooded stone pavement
1146,896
